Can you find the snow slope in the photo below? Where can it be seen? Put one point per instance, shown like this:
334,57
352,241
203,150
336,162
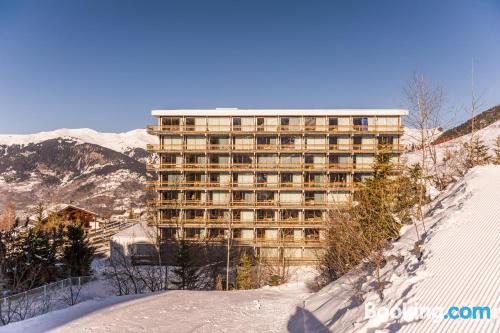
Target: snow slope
487,134
460,267
411,136
120,142
260,310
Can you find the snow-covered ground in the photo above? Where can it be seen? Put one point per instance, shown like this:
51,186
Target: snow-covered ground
460,267
262,310
120,142
488,135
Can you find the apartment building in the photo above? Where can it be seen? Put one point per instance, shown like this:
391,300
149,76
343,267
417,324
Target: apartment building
264,178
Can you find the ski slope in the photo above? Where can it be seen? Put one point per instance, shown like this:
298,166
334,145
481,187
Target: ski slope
460,267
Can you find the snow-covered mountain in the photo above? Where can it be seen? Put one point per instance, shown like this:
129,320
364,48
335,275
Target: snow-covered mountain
121,142
100,171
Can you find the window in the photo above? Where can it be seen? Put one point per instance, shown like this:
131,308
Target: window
309,159
263,140
260,124
237,124
285,121
333,122
287,140
286,178
242,159
288,214
190,123
169,159
338,177
264,196
171,122
261,177
310,123
170,195
386,140
360,123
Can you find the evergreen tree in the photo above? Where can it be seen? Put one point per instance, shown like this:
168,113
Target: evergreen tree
39,210
186,272
243,274
77,254
497,150
477,153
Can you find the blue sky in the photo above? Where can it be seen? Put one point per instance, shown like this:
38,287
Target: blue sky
104,64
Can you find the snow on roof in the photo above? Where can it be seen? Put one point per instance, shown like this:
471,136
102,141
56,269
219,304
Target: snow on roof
56,208
279,112
139,232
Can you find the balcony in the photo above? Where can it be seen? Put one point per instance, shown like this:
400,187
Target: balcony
345,129
347,147
248,185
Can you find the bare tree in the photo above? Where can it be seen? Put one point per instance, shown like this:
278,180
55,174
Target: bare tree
8,217
425,104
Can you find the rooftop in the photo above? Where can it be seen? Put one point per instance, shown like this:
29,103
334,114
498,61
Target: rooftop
278,112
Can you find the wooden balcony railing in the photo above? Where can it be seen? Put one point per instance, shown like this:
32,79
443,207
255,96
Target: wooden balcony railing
271,222
250,185
154,129
262,166
207,204
271,148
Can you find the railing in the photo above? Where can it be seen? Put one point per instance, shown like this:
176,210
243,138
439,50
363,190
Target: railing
272,128
274,147
40,300
261,166
252,203
252,185
247,223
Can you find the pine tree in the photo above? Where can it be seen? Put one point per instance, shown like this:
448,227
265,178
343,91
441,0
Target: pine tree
477,153
497,150
78,253
243,274
186,272
39,210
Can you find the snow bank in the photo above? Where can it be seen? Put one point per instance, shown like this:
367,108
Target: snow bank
460,267
117,141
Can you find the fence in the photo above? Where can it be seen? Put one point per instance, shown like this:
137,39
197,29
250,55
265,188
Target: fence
37,301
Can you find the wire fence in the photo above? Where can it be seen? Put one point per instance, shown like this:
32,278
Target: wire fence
40,300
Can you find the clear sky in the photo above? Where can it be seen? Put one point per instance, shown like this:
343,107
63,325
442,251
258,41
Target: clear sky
104,64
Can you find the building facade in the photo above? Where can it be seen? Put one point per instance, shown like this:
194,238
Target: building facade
264,178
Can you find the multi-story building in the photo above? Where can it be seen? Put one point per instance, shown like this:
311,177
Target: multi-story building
265,178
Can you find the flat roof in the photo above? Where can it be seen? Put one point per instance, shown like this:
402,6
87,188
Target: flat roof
279,112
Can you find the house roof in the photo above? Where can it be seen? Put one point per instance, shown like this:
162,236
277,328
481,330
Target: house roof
56,208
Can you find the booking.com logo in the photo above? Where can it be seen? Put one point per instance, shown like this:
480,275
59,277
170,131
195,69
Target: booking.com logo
415,312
